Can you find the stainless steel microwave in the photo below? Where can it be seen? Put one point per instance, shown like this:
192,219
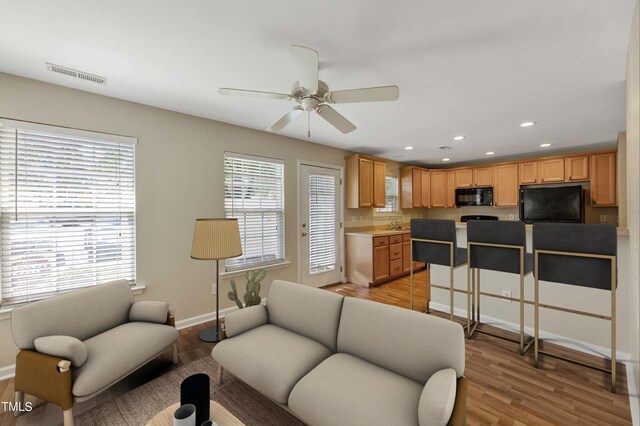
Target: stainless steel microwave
474,196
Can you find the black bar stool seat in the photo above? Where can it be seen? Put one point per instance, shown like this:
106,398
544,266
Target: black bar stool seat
497,246
580,255
434,242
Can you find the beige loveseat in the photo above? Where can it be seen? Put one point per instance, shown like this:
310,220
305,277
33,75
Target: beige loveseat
76,345
334,360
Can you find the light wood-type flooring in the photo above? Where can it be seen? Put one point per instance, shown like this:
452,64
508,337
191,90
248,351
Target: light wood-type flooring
504,387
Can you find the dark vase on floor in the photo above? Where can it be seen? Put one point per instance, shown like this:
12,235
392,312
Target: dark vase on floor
195,390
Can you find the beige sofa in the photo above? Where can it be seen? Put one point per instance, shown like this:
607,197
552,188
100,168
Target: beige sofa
332,360
76,345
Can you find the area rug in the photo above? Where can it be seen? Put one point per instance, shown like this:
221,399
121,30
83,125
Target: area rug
139,405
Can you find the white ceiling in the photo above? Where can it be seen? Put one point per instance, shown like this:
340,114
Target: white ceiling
470,67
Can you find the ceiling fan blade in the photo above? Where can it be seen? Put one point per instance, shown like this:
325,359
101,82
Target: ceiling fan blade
286,119
253,93
368,94
335,119
305,61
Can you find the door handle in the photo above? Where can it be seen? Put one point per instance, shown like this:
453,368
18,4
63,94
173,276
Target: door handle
304,234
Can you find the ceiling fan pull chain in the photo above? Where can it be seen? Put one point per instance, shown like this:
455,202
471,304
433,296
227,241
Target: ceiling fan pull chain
308,124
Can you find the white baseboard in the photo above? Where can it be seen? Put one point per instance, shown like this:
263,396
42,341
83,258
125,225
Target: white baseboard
557,339
7,372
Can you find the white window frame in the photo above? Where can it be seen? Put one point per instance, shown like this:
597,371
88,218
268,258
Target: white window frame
95,138
280,260
394,208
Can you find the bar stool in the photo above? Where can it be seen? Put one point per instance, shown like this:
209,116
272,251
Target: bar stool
580,255
433,241
497,246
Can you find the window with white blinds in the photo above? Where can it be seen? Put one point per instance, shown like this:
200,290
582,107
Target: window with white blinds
322,223
254,194
391,189
67,207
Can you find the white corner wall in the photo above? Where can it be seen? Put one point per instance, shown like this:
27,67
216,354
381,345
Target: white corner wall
633,195
179,178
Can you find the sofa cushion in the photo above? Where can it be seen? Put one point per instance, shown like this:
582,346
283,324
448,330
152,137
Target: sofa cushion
308,311
149,311
270,359
406,342
438,398
81,314
345,390
115,353
65,347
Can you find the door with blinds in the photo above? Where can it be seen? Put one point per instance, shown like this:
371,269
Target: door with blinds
319,233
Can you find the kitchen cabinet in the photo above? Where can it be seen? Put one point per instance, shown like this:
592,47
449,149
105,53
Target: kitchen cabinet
425,178
603,180
438,188
415,187
576,168
528,172
506,189
551,170
373,259
464,178
451,190
483,176
365,182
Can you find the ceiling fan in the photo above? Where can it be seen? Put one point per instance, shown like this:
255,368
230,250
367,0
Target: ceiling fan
314,95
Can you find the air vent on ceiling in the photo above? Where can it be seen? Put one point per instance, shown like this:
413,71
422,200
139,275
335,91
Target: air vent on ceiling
76,74
444,148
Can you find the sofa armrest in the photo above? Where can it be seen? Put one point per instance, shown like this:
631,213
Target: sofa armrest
44,376
245,319
149,311
438,398
65,347
459,414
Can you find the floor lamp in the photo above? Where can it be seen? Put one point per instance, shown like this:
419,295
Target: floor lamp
215,239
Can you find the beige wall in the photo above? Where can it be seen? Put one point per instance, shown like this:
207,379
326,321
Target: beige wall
633,188
178,179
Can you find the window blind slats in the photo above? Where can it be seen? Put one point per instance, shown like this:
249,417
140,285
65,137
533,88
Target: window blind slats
254,194
391,189
322,223
67,211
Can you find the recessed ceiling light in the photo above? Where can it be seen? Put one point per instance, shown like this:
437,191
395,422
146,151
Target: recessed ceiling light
408,148
527,124
458,138
545,145
490,153
446,159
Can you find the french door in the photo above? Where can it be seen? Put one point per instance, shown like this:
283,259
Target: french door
319,225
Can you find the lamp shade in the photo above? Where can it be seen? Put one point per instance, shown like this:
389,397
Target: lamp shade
216,239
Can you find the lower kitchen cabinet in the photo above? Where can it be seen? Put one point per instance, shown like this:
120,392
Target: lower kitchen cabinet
374,259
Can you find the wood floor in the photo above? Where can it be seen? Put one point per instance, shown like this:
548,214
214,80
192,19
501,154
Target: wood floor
504,387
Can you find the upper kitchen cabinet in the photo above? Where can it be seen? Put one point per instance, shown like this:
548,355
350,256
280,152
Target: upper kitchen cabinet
451,189
506,189
576,168
415,187
483,176
464,178
528,172
365,182
603,180
438,188
551,170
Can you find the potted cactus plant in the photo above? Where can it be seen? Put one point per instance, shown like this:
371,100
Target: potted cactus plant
252,296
